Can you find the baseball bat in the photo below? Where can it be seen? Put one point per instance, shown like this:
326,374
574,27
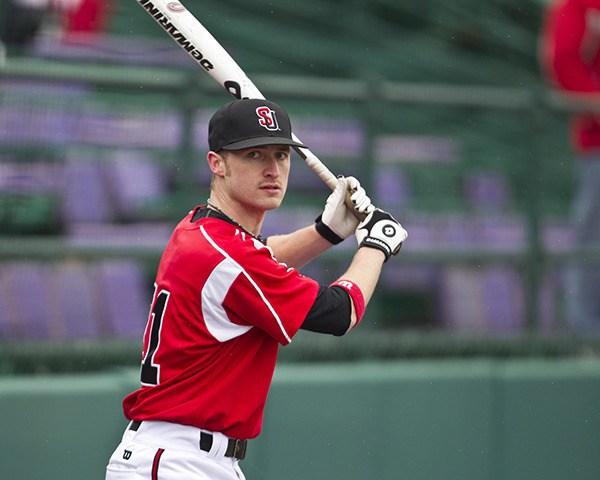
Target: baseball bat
208,53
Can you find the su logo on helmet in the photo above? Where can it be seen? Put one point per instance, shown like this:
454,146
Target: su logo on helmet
267,118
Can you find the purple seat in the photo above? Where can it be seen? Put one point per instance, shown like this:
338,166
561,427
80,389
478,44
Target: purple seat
500,232
558,235
392,187
286,220
411,276
109,49
503,299
487,299
76,300
459,300
140,235
134,178
394,149
200,130
85,196
332,137
31,119
136,130
4,311
486,191
302,178
25,301
126,298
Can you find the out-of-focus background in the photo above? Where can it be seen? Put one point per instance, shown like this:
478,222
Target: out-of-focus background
465,365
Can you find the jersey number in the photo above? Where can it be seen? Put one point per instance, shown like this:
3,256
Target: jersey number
150,370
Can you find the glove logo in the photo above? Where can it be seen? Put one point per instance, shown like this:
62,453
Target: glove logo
267,118
389,230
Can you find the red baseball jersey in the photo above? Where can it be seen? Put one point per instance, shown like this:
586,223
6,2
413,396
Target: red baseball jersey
570,56
222,305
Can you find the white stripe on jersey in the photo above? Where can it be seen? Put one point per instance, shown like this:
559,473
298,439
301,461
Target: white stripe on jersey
218,288
213,293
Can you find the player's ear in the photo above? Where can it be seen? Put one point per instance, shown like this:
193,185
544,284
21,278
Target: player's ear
216,163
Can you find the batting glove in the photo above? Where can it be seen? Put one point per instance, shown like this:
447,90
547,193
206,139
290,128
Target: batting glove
381,231
338,222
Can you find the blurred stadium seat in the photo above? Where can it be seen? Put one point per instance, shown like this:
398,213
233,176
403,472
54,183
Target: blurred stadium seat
86,198
74,300
134,179
106,165
26,300
487,191
125,298
481,299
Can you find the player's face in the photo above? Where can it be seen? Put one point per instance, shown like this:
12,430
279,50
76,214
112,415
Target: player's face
257,177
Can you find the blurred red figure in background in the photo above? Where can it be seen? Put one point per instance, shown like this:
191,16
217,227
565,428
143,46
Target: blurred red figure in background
570,57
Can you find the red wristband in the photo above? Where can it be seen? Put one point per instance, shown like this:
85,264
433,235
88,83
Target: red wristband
355,294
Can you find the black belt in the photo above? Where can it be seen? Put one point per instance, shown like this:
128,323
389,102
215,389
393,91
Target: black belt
235,448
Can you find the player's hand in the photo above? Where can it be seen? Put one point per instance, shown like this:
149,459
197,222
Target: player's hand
381,231
359,200
338,222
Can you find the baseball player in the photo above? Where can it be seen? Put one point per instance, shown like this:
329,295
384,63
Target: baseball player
225,299
570,57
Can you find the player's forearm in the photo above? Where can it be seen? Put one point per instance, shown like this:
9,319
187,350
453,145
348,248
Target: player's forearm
298,248
364,271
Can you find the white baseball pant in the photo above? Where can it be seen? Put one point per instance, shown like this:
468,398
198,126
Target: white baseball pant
168,451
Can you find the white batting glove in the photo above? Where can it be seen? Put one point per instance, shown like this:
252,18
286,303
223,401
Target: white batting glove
337,222
358,197
381,231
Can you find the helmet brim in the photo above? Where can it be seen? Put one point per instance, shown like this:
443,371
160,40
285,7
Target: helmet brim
261,141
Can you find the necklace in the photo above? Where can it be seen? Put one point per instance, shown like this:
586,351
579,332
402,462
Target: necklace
231,220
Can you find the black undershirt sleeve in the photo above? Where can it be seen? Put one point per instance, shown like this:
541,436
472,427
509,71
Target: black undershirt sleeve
330,313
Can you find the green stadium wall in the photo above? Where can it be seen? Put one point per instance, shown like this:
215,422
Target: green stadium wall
452,419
